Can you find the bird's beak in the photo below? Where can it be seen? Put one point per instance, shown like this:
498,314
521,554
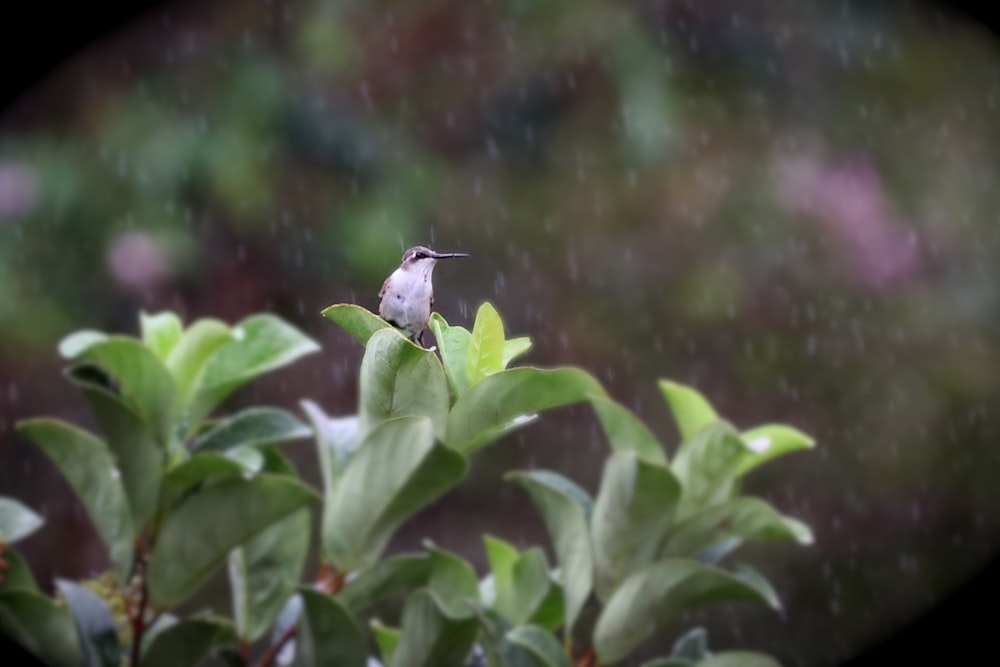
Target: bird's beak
449,255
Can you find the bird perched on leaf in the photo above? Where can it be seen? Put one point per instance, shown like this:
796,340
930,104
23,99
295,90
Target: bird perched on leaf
407,295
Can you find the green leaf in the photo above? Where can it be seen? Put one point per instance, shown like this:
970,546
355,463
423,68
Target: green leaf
254,427
514,348
625,431
541,644
691,411
397,470
198,534
266,570
328,634
17,576
190,356
17,521
453,344
142,381
400,379
707,465
500,651
87,465
668,662
429,638
386,577
654,595
565,509
200,468
453,582
336,441
186,642
692,645
36,623
528,588
742,518
769,441
486,345
551,613
96,627
387,639
503,401
739,659
502,556
633,512
356,320
268,343
72,345
160,332
133,440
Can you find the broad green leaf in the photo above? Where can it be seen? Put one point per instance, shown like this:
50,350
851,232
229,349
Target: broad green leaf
267,343
541,644
769,441
250,459
502,556
654,595
186,642
87,465
386,577
691,411
328,634
72,345
189,357
336,441
17,576
739,659
133,440
254,427
453,345
625,431
397,470
514,348
202,467
528,588
551,613
266,570
160,332
94,624
633,512
198,534
142,381
356,320
400,379
163,621
429,638
707,466
453,582
504,400
741,518
386,638
692,645
40,626
565,509
485,354
17,521
668,662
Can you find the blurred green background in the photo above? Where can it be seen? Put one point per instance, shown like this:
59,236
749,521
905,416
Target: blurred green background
789,206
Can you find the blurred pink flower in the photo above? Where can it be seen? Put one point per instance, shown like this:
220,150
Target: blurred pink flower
136,260
848,202
19,188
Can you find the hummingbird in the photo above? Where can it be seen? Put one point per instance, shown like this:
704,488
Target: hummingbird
407,295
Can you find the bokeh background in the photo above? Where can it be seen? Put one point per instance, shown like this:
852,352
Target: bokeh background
789,206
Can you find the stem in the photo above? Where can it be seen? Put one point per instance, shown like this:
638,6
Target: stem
268,658
138,620
589,659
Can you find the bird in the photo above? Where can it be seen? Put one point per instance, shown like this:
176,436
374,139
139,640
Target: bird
407,295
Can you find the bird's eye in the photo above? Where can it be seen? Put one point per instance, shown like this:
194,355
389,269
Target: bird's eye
419,255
